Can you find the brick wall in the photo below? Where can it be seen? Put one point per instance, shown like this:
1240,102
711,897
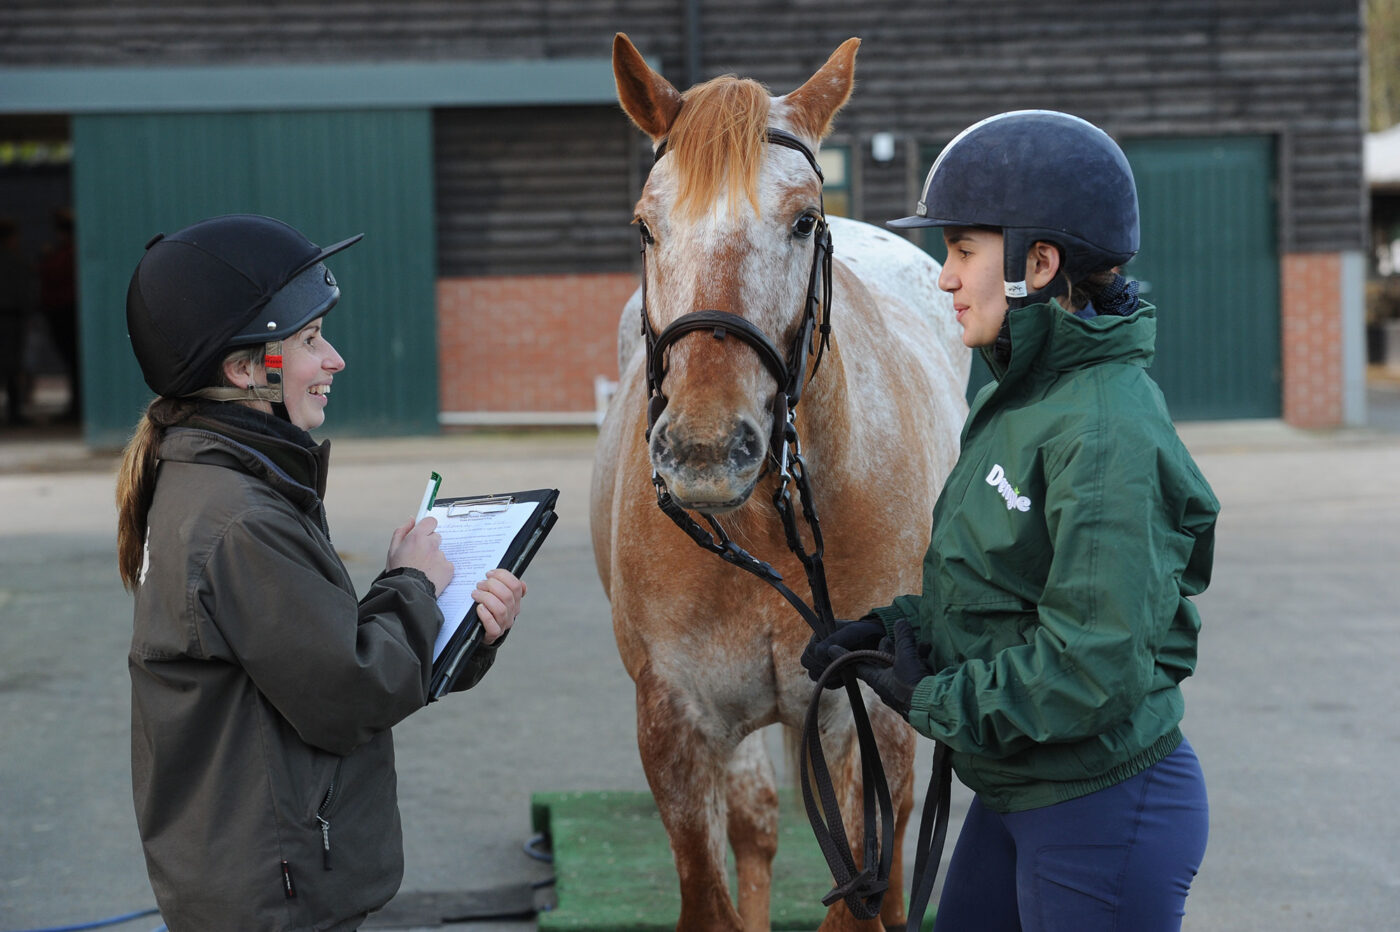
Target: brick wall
535,343
1312,339
527,343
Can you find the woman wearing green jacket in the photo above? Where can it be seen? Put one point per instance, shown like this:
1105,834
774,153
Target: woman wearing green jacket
1055,623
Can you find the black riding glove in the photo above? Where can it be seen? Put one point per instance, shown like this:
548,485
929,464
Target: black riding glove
862,634
895,684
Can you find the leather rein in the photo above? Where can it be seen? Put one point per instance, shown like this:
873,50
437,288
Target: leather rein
862,889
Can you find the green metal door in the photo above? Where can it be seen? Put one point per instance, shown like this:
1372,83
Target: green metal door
330,174
1210,263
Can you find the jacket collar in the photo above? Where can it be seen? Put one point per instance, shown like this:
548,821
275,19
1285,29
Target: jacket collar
1045,337
241,437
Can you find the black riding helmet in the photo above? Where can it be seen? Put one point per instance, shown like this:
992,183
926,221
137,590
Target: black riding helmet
222,283
1037,175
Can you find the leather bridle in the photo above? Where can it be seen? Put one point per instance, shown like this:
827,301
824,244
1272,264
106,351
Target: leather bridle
788,370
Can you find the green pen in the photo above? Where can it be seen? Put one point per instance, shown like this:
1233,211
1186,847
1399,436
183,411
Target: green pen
429,495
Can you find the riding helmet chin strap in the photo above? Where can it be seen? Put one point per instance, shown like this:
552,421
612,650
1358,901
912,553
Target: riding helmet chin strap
271,391
272,367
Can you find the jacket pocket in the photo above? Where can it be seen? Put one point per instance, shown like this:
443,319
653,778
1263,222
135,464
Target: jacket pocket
980,630
326,809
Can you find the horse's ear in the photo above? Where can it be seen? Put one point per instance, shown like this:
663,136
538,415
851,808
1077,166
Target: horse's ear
648,98
813,105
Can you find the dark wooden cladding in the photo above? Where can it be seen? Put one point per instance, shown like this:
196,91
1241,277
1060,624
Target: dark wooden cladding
147,32
1291,69
533,190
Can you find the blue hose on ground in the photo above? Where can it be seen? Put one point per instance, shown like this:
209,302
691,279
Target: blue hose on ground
537,847
100,923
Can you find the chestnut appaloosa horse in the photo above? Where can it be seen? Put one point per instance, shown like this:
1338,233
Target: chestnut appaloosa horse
731,221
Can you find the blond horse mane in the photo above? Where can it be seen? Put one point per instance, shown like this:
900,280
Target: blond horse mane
718,141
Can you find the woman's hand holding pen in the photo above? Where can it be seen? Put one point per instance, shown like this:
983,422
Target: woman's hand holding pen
497,600
418,544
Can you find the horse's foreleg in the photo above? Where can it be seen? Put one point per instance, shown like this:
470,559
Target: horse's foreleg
686,773
753,828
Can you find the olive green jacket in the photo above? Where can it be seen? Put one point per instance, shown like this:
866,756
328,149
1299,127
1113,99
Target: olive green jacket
1065,546
263,693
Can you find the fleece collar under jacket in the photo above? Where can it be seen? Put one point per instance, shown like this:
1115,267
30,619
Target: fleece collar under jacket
281,454
288,447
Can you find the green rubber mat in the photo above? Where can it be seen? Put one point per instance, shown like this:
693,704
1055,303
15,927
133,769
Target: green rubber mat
614,871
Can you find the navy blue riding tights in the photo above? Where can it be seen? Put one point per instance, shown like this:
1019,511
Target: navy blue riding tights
1118,860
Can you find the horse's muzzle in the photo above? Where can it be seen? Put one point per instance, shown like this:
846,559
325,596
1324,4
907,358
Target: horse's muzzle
709,475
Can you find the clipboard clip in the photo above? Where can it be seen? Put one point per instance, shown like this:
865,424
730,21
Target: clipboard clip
480,506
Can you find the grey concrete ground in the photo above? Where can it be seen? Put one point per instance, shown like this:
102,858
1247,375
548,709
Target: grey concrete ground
1293,709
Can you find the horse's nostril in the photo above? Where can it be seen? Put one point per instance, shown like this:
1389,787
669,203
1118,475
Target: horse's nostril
662,453
746,446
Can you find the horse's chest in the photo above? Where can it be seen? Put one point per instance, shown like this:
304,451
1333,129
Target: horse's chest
725,676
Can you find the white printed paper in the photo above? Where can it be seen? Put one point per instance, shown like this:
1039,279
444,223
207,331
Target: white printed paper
474,541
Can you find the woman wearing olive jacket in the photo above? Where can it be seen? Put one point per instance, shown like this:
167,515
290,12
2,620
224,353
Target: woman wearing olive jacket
1054,627
263,693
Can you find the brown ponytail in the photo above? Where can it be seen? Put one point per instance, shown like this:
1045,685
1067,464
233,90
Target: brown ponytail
1088,289
136,483
136,480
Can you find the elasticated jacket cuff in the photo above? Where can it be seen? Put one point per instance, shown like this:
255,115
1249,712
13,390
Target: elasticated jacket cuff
411,572
888,616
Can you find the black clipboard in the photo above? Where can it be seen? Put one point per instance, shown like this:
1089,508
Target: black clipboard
452,660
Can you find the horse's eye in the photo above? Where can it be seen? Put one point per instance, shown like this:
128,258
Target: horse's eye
647,238
804,226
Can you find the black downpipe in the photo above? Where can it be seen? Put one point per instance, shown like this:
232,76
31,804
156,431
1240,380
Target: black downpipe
692,43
